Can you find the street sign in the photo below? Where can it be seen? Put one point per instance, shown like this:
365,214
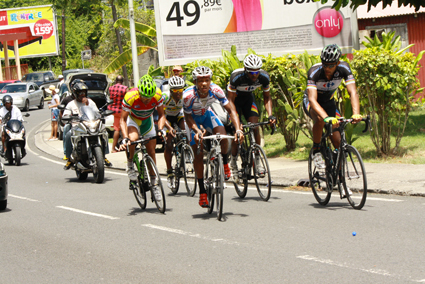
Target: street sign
86,54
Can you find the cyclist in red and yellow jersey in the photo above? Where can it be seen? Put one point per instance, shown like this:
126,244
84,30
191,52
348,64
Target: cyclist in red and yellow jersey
137,120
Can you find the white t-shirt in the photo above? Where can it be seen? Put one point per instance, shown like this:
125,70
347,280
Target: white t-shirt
73,107
15,113
55,101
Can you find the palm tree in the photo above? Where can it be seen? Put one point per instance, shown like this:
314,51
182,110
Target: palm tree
144,37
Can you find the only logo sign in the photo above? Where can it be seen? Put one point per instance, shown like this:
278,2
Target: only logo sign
328,22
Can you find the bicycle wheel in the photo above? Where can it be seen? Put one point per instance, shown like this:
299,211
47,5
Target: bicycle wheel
219,177
261,171
156,189
138,188
354,178
209,181
242,178
176,170
318,182
189,170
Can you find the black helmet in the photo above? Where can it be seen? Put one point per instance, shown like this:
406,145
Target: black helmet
77,88
7,99
331,53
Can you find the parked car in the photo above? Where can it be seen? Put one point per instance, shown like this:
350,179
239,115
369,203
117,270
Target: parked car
67,72
24,94
7,82
43,79
98,90
3,187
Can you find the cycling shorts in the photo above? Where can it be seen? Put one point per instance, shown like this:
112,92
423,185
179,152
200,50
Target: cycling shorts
174,119
246,106
209,121
146,129
329,107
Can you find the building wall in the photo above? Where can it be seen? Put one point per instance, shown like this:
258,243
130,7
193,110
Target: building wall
415,29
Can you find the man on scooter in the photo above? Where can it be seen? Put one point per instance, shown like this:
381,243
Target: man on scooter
79,90
15,113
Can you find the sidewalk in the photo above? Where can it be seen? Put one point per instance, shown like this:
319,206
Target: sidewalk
403,179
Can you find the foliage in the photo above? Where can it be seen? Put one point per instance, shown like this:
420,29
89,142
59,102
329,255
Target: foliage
145,37
356,3
386,83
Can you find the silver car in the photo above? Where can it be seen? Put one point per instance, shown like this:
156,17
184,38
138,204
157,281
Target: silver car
25,95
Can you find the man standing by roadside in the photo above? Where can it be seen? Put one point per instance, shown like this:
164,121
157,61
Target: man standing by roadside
117,93
60,77
177,70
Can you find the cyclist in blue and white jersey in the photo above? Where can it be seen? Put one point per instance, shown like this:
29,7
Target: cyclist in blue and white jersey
319,104
197,102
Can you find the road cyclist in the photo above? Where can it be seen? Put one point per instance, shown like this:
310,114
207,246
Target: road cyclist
243,82
319,104
197,102
137,121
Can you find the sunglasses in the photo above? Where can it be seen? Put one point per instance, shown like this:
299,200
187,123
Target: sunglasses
329,66
252,72
176,90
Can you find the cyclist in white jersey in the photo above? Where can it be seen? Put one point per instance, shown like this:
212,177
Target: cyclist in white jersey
197,102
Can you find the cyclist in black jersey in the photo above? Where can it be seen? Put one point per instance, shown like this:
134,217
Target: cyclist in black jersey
322,82
242,83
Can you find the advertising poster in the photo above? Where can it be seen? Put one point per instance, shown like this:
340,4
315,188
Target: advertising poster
188,30
40,26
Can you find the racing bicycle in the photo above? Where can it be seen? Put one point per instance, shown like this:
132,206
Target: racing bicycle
145,182
343,168
252,164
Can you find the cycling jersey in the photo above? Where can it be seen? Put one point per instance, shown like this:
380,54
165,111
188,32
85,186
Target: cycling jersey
326,88
172,108
192,103
240,83
133,104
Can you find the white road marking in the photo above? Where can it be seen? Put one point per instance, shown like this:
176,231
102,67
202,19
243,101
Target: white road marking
184,233
24,198
88,213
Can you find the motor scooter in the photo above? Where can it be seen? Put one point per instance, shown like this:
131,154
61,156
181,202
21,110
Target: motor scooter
15,141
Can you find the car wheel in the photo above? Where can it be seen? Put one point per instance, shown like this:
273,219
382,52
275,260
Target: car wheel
27,105
41,106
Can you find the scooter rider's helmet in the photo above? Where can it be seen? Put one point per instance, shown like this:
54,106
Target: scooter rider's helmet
176,83
7,99
331,53
78,89
202,71
252,62
73,83
147,87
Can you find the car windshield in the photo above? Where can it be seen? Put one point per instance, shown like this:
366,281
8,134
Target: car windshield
33,77
12,88
2,85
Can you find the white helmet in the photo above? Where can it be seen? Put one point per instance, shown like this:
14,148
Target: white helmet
176,83
201,71
252,61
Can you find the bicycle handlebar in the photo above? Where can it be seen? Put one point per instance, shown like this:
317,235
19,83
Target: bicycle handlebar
344,121
252,125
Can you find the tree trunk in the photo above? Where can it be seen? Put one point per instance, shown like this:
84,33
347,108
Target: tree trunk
117,33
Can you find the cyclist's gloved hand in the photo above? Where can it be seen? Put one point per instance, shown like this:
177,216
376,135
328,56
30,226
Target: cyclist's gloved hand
272,119
356,117
123,144
331,119
239,136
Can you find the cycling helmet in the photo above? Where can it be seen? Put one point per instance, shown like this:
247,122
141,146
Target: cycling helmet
7,99
331,53
201,71
252,61
176,83
147,86
77,88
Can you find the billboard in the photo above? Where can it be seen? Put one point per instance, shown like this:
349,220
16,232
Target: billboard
40,26
188,30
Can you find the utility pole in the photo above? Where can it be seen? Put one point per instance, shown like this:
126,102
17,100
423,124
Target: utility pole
63,41
133,43
117,33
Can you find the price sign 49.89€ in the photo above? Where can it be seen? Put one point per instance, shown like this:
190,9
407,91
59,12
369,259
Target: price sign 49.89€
191,9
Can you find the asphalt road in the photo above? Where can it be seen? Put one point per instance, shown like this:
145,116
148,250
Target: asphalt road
60,230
